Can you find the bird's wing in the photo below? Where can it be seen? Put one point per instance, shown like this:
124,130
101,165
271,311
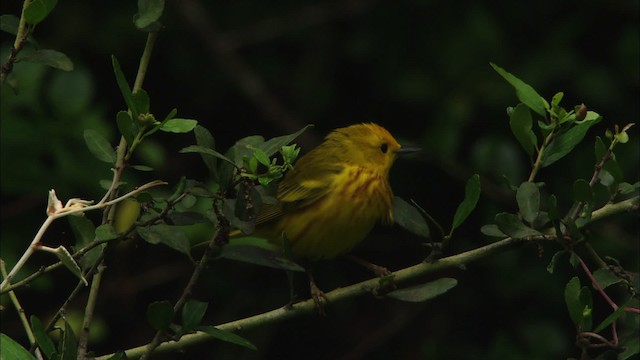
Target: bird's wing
301,187
306,185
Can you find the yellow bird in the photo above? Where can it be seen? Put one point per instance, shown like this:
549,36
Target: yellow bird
334,195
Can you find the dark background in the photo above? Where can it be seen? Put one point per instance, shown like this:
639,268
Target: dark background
419,68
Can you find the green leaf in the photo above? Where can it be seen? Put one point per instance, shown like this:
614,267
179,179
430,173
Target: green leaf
511,225
38,10
160,314
272,146
524,92
141,101
149,11
562,144
572,299
261,156
51,58
424,292
622,137
492,230
631,346
554,260
69,344
528,198
206,151
205,140
69,262
407,216
600,148
185,218
471,196
170,236
613,316
45,343
99,146
179,126
626,188
9,24
192,314
582,191
605,278
123,85
259,255
587,308
142,167
106,232
521,127
226,336
126,126
85,232
554,214
10,349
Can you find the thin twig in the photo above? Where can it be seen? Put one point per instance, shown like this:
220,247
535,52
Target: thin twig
83,339
21,313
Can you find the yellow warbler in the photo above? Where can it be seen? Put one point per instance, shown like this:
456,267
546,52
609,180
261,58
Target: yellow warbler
334,194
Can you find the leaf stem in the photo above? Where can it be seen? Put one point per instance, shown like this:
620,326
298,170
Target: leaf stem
538,163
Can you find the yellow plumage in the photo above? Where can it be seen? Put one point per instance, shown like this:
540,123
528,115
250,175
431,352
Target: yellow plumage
334,194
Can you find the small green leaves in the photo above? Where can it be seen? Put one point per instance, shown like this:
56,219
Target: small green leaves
471,196
521,125
160,315
425,291
226,336
126,126
192,313
43,340
179,126
407,216
99,146
11,349
525,92
149,12
52,58
579,303
38,10
206,151
257,251
9,24
272,146
511,225
68,347
170,236
605,278
528,198
125,89
205,140
67,260
566,141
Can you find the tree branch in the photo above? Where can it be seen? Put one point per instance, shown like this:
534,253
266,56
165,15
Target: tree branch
403,276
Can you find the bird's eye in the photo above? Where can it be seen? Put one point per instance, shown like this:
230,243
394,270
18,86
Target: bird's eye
384,147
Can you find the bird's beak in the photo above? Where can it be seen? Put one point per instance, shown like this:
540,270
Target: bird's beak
408,150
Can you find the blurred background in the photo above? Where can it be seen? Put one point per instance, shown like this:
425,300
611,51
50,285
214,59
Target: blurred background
419,68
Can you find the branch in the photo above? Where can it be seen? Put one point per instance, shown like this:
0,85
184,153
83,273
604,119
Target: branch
402,276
